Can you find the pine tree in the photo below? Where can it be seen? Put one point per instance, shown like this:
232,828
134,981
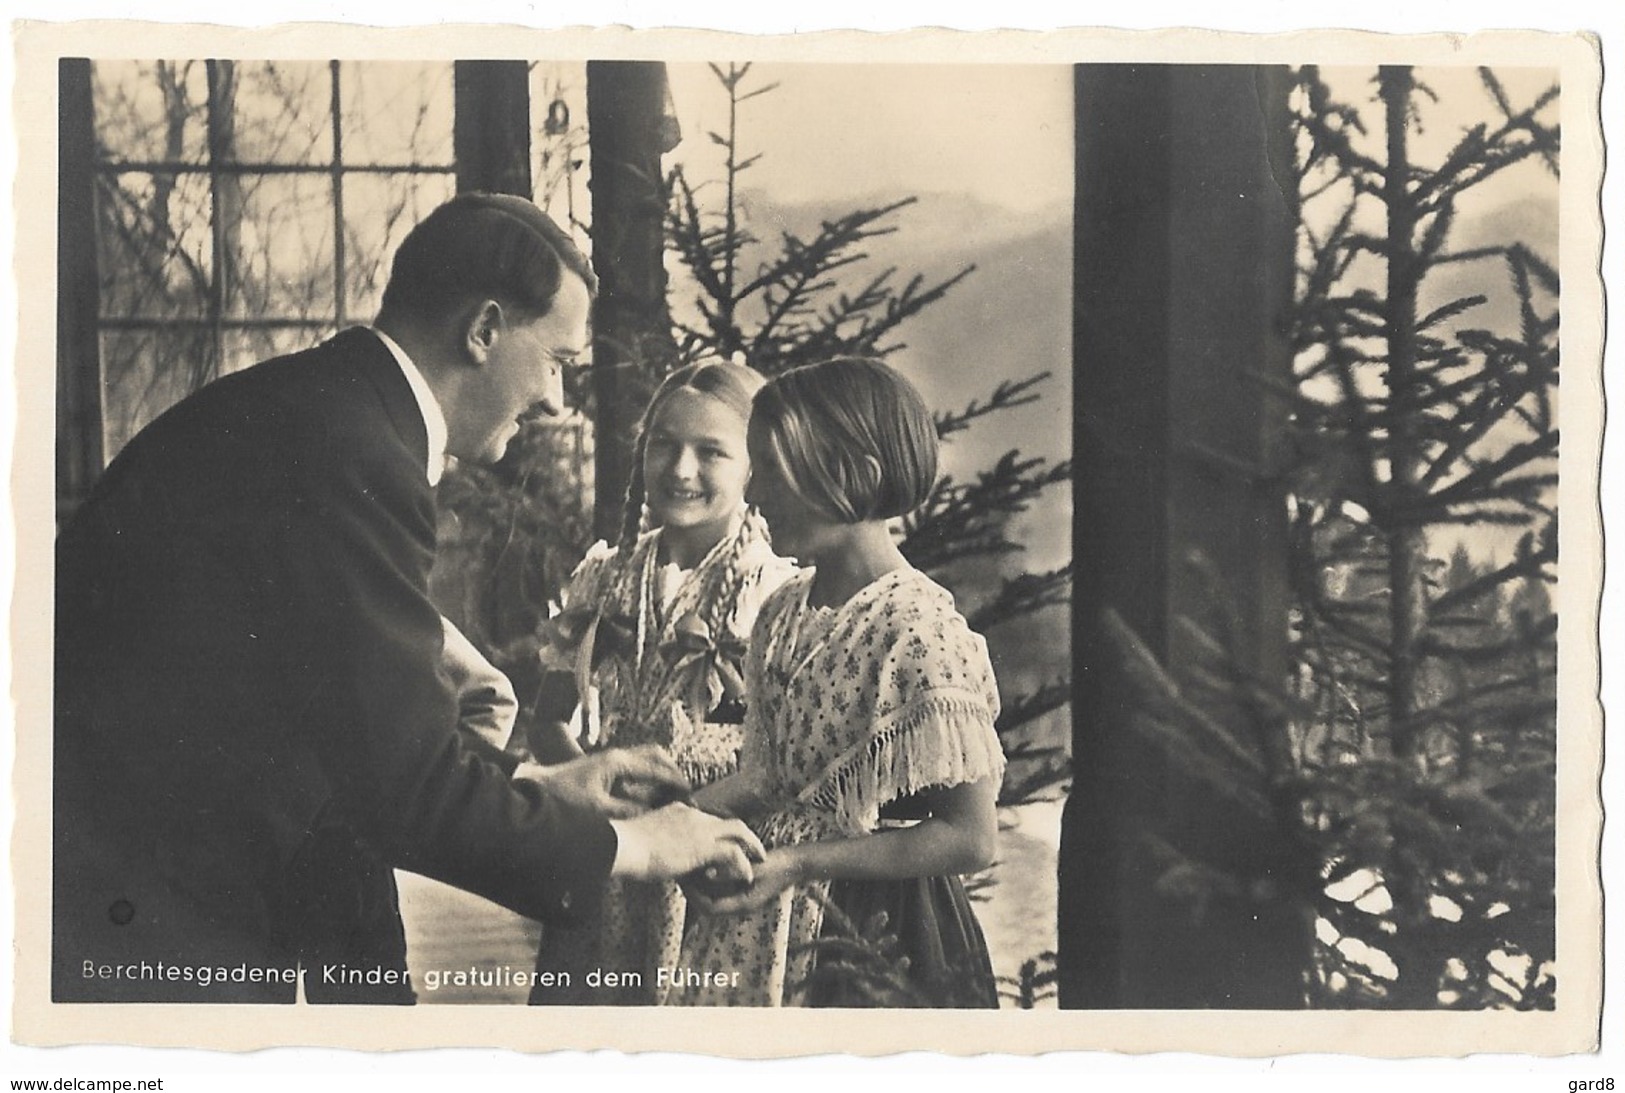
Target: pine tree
1441,426
1412,753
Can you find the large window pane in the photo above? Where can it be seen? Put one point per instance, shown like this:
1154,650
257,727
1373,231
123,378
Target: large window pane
280,233
151,111
283,112
144,372
244,348
559,167
213,237
378,212
396,113
154,255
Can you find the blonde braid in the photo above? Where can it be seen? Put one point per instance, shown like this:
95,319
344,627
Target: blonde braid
631,524
730,577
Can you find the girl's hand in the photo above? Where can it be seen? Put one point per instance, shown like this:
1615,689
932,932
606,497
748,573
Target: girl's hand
733,796
713,799
781,869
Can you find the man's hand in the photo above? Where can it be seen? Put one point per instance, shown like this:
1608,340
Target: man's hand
727,896
678,840
617,782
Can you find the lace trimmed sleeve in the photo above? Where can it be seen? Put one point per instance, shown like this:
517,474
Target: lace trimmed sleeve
935,702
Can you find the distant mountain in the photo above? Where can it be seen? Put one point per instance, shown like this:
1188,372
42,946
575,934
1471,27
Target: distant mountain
1530,220
1010,318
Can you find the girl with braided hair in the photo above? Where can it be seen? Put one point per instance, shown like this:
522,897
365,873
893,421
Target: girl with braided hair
650,647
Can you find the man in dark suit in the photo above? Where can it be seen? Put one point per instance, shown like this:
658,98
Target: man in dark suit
252,724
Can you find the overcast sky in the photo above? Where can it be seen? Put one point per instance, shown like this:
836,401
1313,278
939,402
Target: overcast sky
1000,133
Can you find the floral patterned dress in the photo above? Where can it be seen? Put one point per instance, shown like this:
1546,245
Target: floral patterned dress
648,670
852,707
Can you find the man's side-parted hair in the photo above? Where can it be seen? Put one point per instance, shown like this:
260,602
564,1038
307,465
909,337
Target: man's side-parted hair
852,436
481,246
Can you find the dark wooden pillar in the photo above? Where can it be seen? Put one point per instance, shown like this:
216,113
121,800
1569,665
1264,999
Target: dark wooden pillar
629,129
484,592
491,127
1183,268
78,352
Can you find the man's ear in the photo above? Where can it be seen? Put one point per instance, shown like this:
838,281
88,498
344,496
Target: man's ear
482,330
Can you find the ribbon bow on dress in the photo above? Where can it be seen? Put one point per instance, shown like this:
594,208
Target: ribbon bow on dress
691,641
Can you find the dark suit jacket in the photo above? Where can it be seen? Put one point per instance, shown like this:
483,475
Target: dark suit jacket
252,725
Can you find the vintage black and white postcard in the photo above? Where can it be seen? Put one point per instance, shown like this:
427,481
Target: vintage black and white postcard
969,542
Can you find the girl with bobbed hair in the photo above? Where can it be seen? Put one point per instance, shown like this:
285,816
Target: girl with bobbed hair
852,437
650,646
870,766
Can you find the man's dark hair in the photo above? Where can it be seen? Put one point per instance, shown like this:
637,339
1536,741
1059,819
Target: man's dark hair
483,247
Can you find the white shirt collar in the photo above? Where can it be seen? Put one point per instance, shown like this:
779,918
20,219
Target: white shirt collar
434,419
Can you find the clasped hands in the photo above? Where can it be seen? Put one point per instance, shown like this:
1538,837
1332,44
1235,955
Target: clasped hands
660,835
